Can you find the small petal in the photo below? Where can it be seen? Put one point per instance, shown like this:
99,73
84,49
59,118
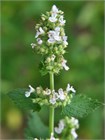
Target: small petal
60,127
57,29
52,19
62,22
31,88
51,40
41,30
74,134
37,34
27,94
61,124
65,40
64,64
33,45
57,38
70,88
57,130
39,41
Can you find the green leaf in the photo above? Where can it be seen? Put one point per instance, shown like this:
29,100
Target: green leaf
80,106
35,127
18,97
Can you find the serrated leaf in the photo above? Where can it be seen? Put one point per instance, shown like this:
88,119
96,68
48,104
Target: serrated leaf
18,97
35,127
80,106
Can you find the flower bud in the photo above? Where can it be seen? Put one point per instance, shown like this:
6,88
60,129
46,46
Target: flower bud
42,50
49,67
38,90
48,60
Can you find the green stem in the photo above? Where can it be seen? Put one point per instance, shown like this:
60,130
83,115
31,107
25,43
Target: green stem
51,113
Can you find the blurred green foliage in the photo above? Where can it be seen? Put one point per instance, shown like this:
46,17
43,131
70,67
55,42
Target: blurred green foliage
84,28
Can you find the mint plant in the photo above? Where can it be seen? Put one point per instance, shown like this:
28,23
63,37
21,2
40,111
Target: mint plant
51,43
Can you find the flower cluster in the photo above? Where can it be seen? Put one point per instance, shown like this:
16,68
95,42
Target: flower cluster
51,97
68,125
51,41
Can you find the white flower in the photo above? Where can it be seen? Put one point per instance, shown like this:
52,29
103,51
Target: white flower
28,93
54,12
64,64
54,97
74,134
54,35
60,127
52,137
74,122
48,91
39,32
33,45
52,100
70,88
53,18
62,22
39,41
65,40
54,9
51,35
61,94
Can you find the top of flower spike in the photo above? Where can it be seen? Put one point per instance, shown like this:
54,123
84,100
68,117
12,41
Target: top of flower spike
54,9
50,40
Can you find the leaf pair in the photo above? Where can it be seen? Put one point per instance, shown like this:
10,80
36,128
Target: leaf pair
80,105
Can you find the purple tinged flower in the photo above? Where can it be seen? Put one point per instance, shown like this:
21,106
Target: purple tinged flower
65,40
61,94
39,41
62,22
54,35
64,65
54,97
